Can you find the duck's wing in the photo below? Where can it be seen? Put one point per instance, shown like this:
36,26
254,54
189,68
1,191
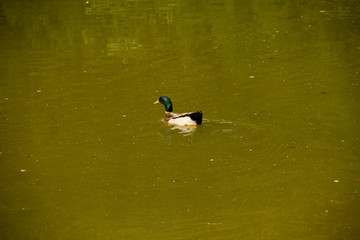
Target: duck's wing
179,115
196,116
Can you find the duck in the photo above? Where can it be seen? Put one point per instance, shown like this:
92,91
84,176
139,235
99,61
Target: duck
181,119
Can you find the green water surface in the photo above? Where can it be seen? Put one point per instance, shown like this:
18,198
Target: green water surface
84,153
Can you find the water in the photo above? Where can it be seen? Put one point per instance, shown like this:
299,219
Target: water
85,155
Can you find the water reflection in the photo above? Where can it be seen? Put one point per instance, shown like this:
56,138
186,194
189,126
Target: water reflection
184,130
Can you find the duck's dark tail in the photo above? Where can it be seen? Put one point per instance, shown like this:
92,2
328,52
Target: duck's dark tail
197,117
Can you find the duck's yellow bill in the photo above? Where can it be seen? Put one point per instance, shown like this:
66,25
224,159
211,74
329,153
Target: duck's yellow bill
156,102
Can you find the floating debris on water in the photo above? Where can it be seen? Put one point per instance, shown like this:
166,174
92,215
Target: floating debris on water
226,130
224,121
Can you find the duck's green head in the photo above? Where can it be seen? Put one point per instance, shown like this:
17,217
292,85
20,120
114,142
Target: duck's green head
166,102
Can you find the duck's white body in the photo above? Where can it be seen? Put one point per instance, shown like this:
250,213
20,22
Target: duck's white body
183,121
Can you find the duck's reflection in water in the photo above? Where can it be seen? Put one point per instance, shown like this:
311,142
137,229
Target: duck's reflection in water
186,130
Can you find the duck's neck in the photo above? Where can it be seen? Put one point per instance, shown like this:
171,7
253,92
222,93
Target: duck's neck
167,116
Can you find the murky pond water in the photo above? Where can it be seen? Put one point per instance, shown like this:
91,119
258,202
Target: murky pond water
84,153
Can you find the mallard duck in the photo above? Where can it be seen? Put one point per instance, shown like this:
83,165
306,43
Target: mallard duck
182,119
